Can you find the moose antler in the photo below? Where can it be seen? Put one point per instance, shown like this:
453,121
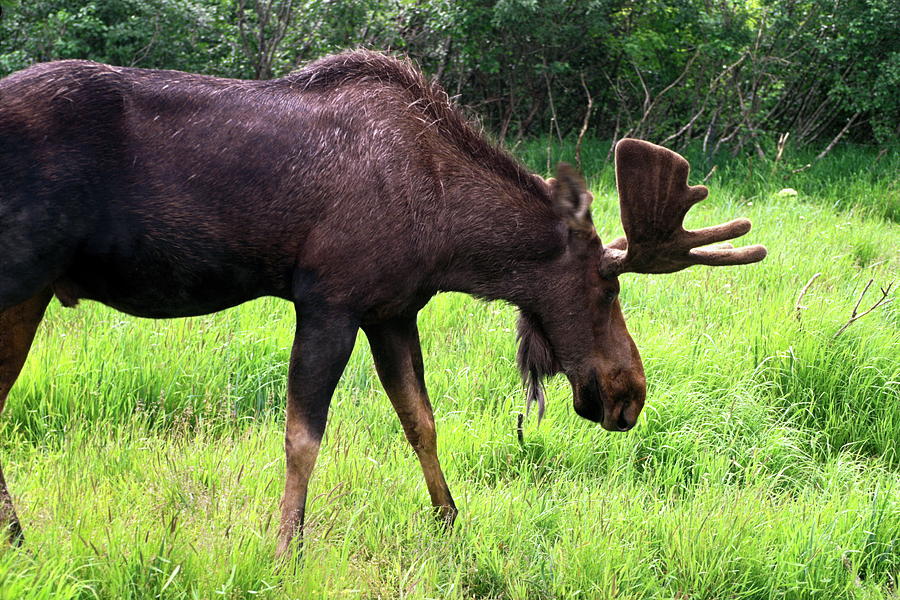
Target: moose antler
654,198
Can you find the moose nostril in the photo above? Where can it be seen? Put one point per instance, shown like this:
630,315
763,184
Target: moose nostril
623,423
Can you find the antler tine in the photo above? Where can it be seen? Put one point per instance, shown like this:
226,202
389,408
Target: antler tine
654,198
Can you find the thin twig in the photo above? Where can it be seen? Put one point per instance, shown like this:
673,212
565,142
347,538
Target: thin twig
859,300
553,120
584,124
615,139
685,128
838,137
782,141
799,307
650,103
884,300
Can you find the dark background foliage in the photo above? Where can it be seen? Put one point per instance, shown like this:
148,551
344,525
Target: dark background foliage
724,74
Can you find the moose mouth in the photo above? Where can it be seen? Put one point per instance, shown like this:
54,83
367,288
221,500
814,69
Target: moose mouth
589,401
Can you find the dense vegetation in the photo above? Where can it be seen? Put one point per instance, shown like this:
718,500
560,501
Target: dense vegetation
146,456
730,74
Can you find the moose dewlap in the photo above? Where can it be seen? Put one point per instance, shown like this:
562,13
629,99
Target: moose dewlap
352,188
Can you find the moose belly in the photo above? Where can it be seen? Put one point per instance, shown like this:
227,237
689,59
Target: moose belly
164,288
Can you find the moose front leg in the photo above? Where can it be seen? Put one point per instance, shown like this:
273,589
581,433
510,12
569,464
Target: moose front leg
398,360
322,346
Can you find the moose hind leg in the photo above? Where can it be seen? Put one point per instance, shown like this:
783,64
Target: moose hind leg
18,324
398,360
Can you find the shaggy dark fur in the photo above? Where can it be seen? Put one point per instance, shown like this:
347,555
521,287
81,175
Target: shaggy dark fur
535,359
426,98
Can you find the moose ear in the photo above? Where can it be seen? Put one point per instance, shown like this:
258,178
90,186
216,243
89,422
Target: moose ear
570,197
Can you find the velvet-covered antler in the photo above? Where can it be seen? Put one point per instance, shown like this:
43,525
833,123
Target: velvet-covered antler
654,198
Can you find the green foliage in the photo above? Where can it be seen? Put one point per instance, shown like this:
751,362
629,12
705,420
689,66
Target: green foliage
157,33
731,74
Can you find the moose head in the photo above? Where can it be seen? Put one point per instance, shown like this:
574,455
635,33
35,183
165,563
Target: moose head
579,329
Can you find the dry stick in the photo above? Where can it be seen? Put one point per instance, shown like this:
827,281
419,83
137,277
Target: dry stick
799,307
549,147
685,128
615,140
750,129
710,174
143,52
647,104
726,138
837,137
623,111
650,104
553,120
782,141
709,92
709,128
828,148
446,48
584,124
884,300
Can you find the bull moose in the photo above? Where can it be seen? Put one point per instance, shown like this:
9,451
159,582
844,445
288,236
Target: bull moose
353,188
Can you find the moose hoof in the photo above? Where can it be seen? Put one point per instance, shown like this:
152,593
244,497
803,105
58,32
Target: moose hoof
289,547
446,515
14,535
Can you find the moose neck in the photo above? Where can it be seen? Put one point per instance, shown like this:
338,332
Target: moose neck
498,252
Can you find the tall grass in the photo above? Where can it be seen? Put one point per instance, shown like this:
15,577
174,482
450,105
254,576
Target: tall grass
146,461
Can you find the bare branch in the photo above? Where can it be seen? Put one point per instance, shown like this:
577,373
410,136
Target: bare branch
615,139
799,307
837,138
584,124
685,128
242,27
865,289
646,91
782,141
553,121
884,300
650,104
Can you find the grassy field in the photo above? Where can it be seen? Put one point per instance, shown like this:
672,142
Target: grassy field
146,456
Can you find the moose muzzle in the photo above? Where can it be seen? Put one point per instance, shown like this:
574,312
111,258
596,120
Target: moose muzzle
615,405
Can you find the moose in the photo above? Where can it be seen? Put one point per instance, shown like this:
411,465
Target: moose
353,188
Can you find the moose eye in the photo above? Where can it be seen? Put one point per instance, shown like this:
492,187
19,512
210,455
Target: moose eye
610,295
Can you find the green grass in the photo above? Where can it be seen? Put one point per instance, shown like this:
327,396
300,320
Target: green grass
146,457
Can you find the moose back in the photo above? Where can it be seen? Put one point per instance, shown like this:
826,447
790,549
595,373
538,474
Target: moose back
352,188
